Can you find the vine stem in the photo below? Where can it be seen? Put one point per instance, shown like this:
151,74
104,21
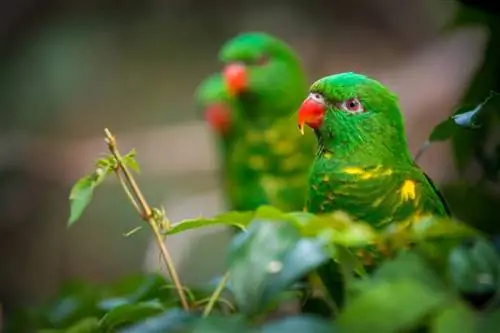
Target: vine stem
145,211
215,296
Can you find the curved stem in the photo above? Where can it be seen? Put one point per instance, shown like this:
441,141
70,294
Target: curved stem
145,211
215,296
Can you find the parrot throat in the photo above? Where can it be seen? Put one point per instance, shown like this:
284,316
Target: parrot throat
321,150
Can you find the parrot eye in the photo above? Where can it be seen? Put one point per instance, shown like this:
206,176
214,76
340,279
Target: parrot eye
352,105
317,98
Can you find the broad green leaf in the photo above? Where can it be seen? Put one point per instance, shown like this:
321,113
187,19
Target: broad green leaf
463,118
429,228
443,131
474,267
85,325
237,219
82,192
80,197
303,257
390,307
408,266
270,213
456,318
266,259
75,301
174,320
219,324
300,324
129,313
336,228
456,127
134,289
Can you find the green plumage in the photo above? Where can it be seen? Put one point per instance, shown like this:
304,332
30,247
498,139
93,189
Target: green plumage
265,158
213,92
363,165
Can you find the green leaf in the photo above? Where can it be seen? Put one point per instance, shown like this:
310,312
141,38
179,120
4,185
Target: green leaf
429,228
300,324
219,324
134,289
409,266
266,259
266,212
463,118
174,320
130,161
76,301
237,219
443,131
336,228
85,325
303,257
80,197
456,318
129,313
82,192
474,267
390,307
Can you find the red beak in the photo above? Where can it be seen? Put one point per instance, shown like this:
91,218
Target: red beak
235,76
311,113
219,117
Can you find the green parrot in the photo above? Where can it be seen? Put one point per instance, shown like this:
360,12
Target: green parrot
222,114
268,161
363,165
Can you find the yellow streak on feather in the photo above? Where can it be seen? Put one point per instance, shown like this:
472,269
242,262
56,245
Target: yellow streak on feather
364,175
377,202
408,190
353,170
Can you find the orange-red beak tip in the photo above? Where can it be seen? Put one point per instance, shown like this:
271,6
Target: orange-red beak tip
235,76
301,128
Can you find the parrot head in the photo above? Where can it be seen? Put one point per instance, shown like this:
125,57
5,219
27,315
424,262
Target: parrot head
214,101
353,113
263,71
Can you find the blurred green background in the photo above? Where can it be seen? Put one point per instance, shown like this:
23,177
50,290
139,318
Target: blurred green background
69,69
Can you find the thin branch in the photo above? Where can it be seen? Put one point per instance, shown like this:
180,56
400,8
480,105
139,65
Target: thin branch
146,214
216,295
127,192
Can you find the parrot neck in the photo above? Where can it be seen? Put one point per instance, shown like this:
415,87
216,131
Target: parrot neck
345,148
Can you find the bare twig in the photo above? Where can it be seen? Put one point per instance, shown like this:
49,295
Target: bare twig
146,214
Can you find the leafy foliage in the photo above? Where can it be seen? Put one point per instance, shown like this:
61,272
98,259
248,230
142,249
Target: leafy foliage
432,275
